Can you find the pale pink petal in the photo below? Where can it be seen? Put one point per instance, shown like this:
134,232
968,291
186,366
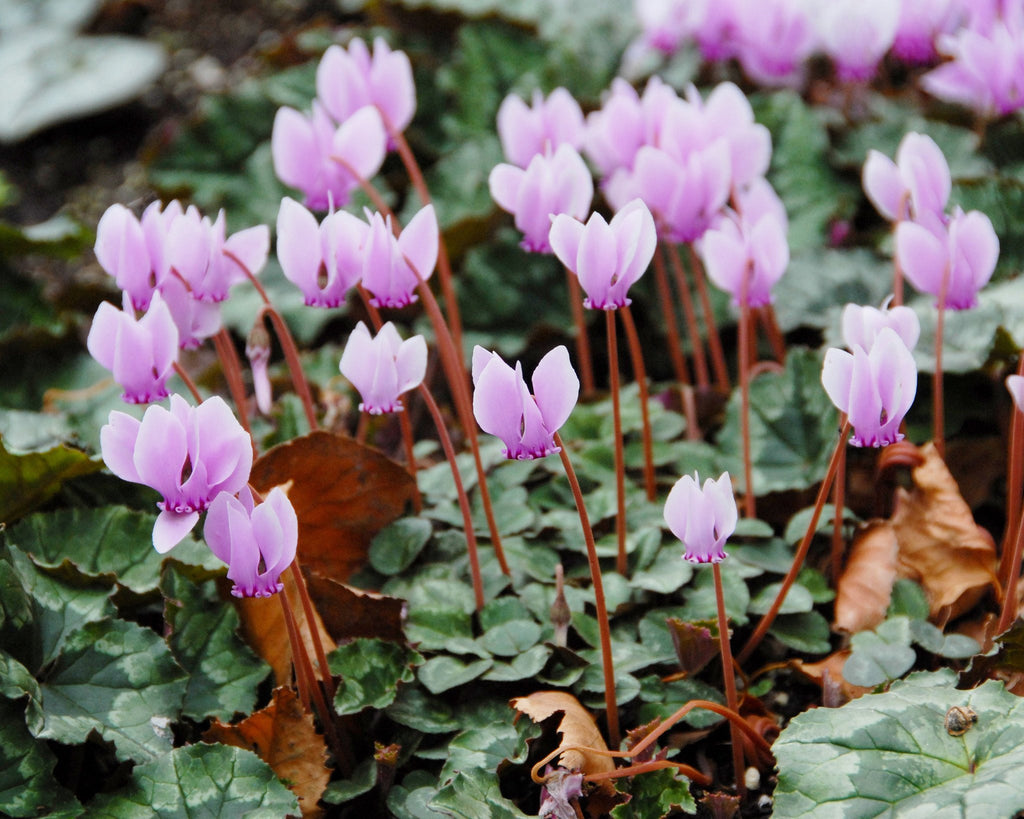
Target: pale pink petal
170,529
556,388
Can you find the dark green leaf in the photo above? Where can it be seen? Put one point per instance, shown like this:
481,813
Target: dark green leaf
29,480
700,601
410,799
521,666
667,574
474,794
370,673
908,598
397,545
448,629
656,794
200,781
363,780
808,632
416,709
662,700
27,785
443,673
798,600
486,747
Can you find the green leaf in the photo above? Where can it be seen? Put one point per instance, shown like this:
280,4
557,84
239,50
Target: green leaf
27,785
223,672
521,666
363,780
29,480
443,673
808,632
111,542
701,604
881,655
798,600
793,427
661,700
508,629
117,679
890,755
486,747
954,646
416,709
16,682
667,574
474,794
656,794
397,545
200,781
370,673
448,629
409,800
908,599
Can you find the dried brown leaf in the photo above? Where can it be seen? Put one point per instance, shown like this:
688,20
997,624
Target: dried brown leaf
577,727
864,589
343,493
348,612
830,671
283,736
940,545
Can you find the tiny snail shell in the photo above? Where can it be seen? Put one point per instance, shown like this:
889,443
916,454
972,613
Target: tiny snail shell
959,720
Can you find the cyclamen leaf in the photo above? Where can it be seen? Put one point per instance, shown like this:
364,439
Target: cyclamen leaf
371,671
474,794
657,794
200,780
28,480
891,755
486,747
27,785
118,679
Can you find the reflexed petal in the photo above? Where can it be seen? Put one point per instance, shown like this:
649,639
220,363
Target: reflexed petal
411,363
298,246
294,150
725,259
419,241
161,451
836,374
519,138
102,339
565,236
1015,384
251,247
556,388
598,257
362,142
922,256
117,444
926,172
217,528
865,402
497,402
884,186
504,182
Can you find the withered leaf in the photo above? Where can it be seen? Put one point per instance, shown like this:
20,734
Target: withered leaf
864,589
577,727
283,736
940,545
830,670
343,493
348,612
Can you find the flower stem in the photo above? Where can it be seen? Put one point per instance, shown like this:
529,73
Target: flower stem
801,552
897,276
367,187
1008,613
621,564
839,501
766,314
611,709
314,631
675,345
749,497
714,339
938,403
1014,479
232,369
700,365
636,355
189,383
730,680
467,517
582,339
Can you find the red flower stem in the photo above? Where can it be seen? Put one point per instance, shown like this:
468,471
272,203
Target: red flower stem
444,267
1014,479
801,552
938,402
714,338
610,706
232,369
777,341
743,352
700,365
839,501
362,427
636,354
284,337
189,383
463,406
897,276
675,344
1008,613
371,192
467,516
621,564
582,340
729,677
314,631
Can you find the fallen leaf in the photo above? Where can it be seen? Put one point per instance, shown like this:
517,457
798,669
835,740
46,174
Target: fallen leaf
264,629
283,736
940,545
348,612
577,727
832,665
343,493
864,589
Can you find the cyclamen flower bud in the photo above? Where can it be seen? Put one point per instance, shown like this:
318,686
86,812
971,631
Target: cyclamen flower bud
249,538
257,350
702,517
187,454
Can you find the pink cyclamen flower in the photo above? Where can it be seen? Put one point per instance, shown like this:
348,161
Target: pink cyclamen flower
196,320
920,24
322,160
550,184
862,324
187,454
393,268
856,34
504,406
139,352
703,518
322,259
606,257
256,542
773,39
875,389
122,251
744,256
915,186
539,128
348,79
962,253
727,113
384,367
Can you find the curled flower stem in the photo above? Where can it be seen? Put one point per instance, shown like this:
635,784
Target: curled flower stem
636,355
714,339
938,403
700,365
675,344
610,707
287,341
621,564
729,677
801,552
467,517
582,340
232,369
444,266
749,497
192,388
